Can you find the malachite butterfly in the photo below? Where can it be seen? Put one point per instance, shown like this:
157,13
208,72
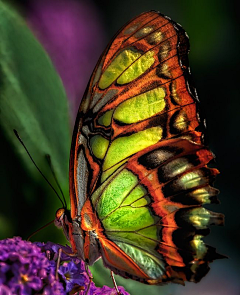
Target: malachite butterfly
138,164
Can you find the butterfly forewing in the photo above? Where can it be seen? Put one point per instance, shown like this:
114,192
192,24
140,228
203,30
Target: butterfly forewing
136,158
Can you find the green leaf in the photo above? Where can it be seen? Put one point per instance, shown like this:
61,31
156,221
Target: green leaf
32,101
32,97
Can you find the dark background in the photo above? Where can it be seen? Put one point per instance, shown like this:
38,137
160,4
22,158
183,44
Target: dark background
213,28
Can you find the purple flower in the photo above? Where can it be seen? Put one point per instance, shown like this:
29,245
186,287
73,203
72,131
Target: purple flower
4,290
73,274
52,251
105,290
24,269
55,288
3,270
30,268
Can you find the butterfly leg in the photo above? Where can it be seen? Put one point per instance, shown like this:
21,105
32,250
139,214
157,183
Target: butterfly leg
90,278
58,262
60,251
115,284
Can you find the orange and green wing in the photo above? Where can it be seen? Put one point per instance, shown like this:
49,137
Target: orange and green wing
137,156
151,208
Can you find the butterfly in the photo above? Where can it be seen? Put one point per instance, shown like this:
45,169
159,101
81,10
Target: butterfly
138,164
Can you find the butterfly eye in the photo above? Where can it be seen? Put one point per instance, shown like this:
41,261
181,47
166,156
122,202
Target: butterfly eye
60,212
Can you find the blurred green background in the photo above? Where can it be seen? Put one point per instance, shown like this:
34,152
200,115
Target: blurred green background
74,33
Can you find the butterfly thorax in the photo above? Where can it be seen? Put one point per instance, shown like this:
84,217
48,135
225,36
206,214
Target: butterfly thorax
89,218
92,231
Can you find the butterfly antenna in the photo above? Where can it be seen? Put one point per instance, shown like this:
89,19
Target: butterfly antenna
48,157
33,234
19,138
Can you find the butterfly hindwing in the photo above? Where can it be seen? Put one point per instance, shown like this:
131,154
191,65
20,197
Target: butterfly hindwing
141,212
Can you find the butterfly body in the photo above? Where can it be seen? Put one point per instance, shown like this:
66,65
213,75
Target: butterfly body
138,166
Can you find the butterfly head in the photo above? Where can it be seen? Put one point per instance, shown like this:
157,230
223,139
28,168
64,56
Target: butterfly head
60,217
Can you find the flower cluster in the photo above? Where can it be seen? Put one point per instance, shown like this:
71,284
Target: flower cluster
30,268
24,269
